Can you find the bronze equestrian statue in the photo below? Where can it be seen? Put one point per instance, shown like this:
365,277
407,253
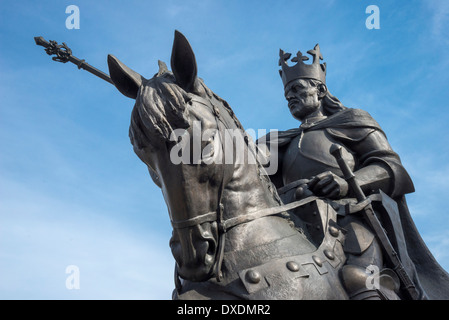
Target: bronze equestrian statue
233,237
330,223
298,235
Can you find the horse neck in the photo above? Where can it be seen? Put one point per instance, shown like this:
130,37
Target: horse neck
262,237
249,189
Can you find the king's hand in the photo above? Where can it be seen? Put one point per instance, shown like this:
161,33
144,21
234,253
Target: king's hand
328,185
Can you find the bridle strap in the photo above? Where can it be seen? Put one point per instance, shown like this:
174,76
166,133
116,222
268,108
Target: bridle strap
232,222
207,217
225,225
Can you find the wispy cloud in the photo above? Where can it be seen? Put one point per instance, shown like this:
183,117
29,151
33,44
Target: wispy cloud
440,19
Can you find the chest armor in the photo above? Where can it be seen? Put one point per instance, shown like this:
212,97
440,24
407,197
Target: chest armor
308,155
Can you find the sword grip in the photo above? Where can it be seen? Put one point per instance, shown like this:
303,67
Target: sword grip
348,175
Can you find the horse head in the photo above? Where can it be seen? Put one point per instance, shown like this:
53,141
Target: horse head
175,132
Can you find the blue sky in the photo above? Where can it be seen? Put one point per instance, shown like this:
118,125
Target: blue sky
72,192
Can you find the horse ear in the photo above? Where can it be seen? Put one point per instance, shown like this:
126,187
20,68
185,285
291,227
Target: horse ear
183,62
126,80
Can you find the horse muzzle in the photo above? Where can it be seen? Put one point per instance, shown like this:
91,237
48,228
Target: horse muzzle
194,249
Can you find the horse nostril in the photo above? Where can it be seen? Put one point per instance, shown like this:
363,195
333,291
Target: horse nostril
211,247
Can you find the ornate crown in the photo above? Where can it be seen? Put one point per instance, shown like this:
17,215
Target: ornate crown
300,70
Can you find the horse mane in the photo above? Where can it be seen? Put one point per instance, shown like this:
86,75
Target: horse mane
159,109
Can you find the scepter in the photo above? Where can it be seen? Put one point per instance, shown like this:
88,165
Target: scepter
64,54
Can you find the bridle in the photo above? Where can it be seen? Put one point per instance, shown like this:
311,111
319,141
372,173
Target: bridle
217,215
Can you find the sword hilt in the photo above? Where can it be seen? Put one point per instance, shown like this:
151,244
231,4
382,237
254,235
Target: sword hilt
348,175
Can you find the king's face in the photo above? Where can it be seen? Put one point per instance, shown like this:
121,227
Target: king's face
303,98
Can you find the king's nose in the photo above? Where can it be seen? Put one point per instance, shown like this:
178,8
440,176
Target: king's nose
290,95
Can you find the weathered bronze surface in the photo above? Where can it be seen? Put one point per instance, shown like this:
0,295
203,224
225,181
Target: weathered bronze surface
342,155
331,223
298,233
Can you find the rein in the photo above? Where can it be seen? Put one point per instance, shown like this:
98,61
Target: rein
217,216
225,225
